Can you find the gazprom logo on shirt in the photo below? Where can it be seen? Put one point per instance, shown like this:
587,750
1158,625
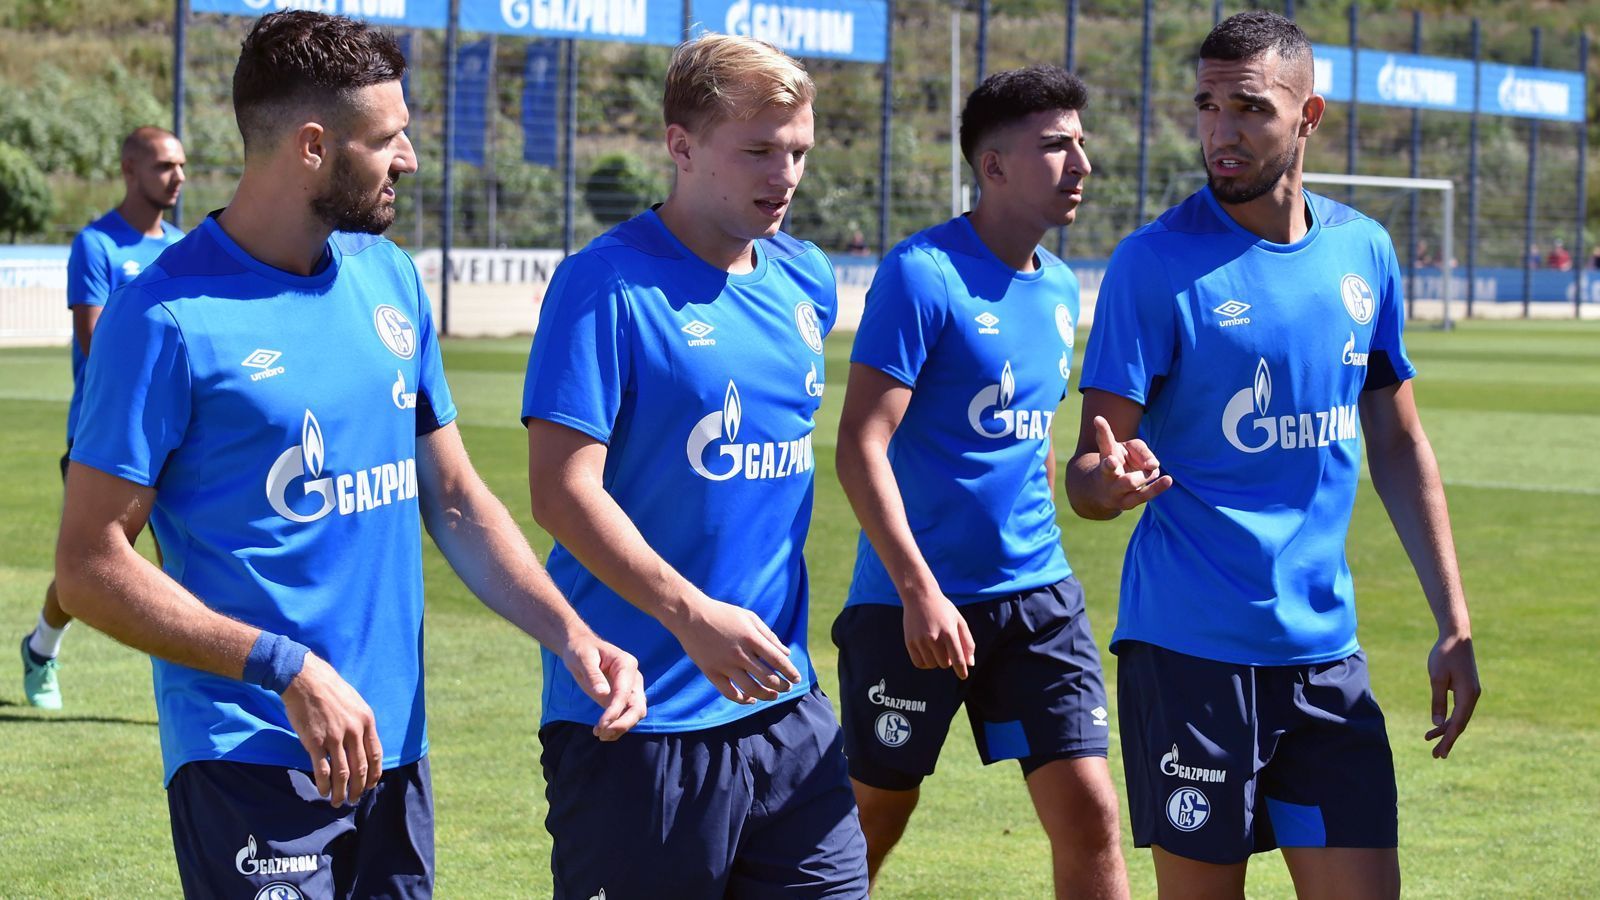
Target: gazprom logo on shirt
992,406
757,461
1288,432
351,492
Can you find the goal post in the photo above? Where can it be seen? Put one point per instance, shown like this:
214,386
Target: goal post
1447,191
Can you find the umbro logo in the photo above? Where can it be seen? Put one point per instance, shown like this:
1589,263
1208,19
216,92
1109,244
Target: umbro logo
1099,713
697,332
1233,313
988,323
264,360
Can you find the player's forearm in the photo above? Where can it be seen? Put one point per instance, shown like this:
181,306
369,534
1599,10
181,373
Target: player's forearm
874,494
579,513
491,556
1406,477
1085,492
115,590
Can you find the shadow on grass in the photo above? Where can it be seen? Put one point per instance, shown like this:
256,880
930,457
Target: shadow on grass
45,718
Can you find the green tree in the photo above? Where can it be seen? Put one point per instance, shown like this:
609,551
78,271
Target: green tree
25,203
619,186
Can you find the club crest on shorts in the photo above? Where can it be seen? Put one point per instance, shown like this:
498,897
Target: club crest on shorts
1188,809
1358,299
395,330
280,890
892,729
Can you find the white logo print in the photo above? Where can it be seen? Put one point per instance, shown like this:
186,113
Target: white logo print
1188,809
810,327
1065,365
263,360
697,331
1099,713
814,385
878,694
892,729
599,896
988,323
352,492
403,399
395,330
766,459
1064,325
280,890
1289,432
130,268
1351,356
247,864
1357,297
799,30
1232,313
993,404
1171,766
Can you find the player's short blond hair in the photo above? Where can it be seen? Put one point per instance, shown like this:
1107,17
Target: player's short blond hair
716,77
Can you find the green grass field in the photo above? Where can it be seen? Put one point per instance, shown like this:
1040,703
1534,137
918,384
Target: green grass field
1513,410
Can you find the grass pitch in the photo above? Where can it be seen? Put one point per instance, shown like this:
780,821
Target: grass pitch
1513,410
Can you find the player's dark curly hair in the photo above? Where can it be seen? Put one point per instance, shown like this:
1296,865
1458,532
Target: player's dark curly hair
1007,97
297,61
1249,34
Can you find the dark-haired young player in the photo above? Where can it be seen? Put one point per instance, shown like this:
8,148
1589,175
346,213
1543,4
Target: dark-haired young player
271,396
1250,337
110,252
961,592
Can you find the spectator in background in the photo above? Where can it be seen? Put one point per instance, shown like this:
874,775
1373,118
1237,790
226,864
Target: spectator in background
1559,258
857,245
1534,258
1594,260
1425,257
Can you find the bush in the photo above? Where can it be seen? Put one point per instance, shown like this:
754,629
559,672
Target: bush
620,186
25,203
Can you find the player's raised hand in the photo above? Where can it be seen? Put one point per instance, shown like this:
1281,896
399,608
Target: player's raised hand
1129,474
937,636
1452,669
337,729
735,650
610,676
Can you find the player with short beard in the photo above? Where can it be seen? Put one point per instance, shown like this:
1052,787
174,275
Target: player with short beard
271,396
107,254
1244,345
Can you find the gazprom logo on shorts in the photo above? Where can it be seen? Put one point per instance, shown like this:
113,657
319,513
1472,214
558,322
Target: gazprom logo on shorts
395,330
1288,432
1170,766
879,694
352,492
754,461
1358,299
892,729
1188,809
247,864
991,407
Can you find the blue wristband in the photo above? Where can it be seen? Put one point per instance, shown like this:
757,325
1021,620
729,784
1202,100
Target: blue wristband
274,661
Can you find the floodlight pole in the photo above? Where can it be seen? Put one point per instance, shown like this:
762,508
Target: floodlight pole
955,114
180,54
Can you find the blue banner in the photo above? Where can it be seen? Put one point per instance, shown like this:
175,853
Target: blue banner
541,86
404,41
630,21
471,112
396,13
1532,93
855,30
1432,82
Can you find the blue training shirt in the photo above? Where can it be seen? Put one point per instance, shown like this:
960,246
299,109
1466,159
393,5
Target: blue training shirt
987,351
704,386
277,418
107,254
1249,358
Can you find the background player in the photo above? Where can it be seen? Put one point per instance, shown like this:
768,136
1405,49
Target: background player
108,253
271,395
671,395
961,359
1250,337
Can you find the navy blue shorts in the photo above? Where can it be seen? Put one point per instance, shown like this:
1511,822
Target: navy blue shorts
252,831
1225,760
757,808
1035,695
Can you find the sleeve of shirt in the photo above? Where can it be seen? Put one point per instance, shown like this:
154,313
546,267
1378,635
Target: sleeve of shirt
580,365
1387,362
136,391
435,407
906,308
1134,336
88,272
